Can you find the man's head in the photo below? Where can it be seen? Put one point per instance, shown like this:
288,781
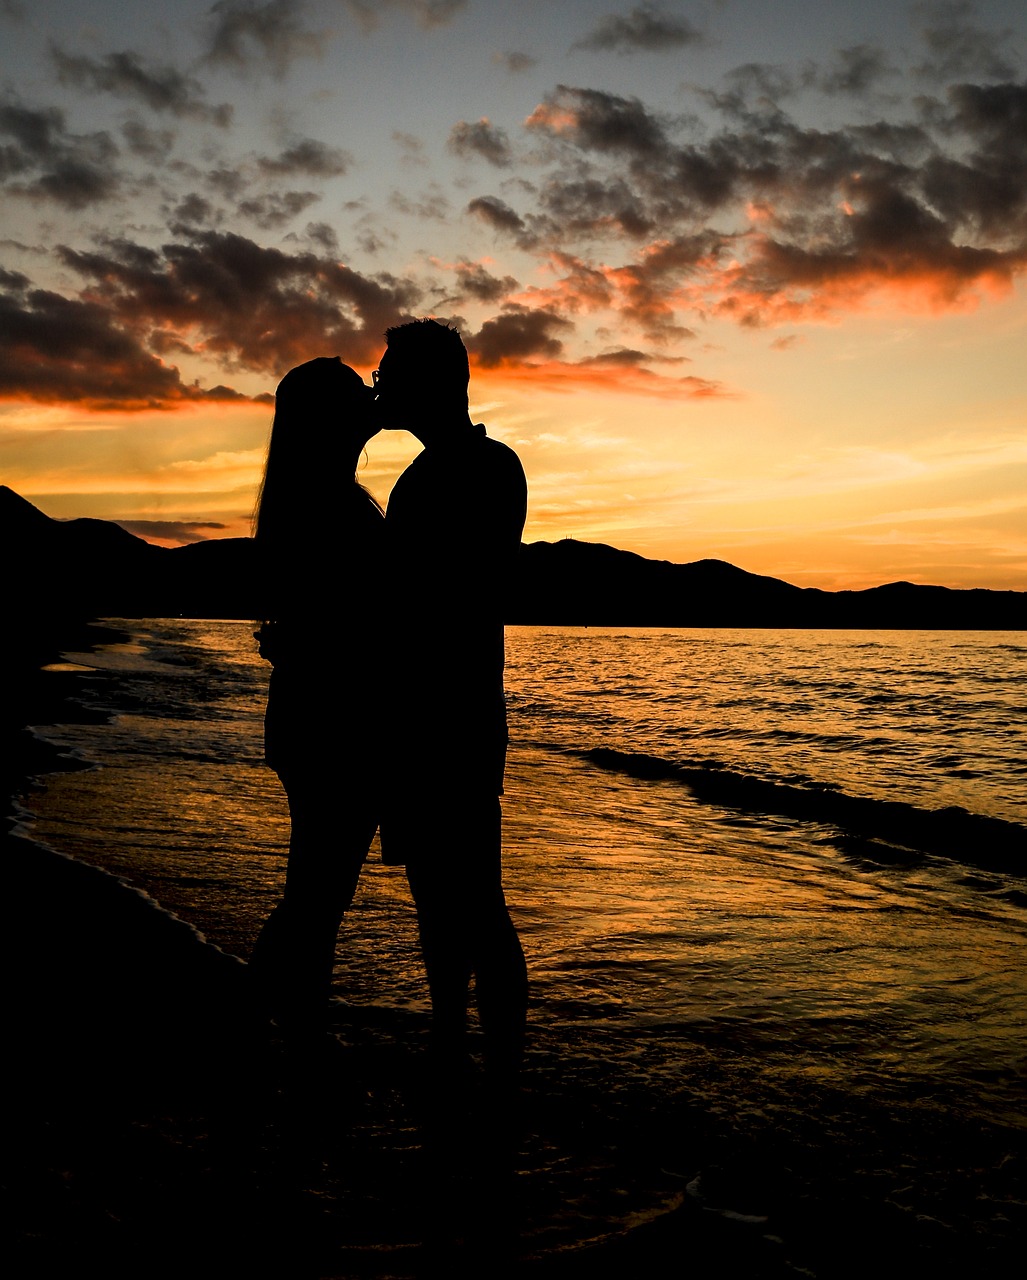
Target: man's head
422,375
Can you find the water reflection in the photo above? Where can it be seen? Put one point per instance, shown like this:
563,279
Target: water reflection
656,927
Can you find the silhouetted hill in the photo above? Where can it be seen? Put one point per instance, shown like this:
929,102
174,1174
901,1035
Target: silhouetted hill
596,585
66,569
93,568
203,576
592,584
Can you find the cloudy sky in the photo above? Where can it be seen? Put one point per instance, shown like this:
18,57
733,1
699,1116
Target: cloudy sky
742,279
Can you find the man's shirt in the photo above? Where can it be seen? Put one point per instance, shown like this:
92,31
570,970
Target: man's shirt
453,528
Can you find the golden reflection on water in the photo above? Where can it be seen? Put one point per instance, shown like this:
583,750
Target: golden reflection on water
642,911
932,718
660,910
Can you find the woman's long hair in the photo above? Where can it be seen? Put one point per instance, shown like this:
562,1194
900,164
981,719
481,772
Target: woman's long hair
307,445
304,502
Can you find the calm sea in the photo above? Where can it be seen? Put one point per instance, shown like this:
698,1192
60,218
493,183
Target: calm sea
722,847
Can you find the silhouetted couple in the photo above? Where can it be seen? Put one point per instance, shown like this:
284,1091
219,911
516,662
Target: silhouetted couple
385,707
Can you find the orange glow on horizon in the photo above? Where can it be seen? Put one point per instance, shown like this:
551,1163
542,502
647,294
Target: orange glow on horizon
602,375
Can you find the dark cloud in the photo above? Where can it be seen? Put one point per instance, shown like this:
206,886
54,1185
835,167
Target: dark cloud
181,531
595,206
646,27
19,245
517,335
770,220
995,116
744,103
126,75
43,161
195,211
480,138
244,33
152,145
235,301
855,70
986,190
75,181
626,357
55,349
763,81
755,90
905,144
38,133
13,281
891,241
499,216
228,183
476,281
513,60
277,210
373,242
324,235
429,13
164,343
627,367
307,157
598,121
650,181
957,47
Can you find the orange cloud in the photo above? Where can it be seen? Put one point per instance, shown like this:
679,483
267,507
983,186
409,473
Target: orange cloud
610,375
552,118
780,284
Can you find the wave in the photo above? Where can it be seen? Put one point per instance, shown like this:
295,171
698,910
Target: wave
952,832
37,756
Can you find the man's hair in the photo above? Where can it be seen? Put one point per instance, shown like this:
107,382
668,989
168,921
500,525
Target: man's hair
432,353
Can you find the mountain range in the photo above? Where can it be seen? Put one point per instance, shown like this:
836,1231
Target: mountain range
61,569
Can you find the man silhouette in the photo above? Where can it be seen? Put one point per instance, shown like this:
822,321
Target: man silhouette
453,526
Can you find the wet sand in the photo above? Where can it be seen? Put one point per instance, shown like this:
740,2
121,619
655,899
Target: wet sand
159,1128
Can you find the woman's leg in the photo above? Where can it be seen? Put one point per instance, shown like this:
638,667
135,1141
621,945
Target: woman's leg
294,956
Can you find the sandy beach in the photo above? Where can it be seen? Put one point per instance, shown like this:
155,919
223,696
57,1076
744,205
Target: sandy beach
159,1127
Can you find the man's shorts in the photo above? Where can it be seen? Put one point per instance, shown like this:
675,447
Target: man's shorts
453,828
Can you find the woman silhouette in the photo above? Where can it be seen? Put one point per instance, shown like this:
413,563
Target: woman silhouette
318,533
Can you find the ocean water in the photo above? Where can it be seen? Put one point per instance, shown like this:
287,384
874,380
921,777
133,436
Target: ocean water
723,851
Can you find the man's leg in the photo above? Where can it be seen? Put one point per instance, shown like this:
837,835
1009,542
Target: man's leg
455,876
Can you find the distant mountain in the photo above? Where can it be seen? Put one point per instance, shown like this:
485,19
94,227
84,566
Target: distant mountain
93,568
592,584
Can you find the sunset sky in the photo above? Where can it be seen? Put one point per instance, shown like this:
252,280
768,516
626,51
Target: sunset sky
744,279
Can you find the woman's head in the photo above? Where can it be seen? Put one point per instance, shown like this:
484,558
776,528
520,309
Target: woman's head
322,420
321,408
324,388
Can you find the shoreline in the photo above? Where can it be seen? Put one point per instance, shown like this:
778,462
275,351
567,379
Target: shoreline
161,1127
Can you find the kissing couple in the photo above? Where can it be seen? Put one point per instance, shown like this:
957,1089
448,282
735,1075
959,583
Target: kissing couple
385,707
